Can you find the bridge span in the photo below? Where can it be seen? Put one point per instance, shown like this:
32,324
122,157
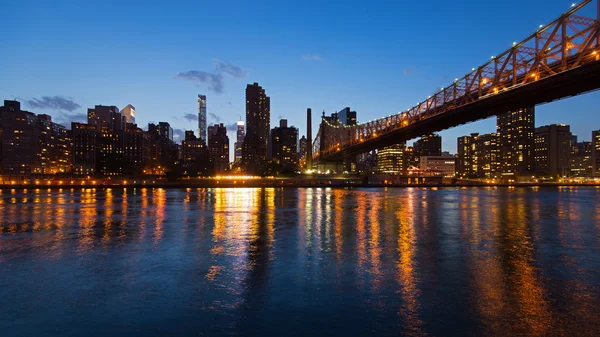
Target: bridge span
559,60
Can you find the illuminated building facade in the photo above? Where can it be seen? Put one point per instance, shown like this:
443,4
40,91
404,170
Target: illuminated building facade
478,156
581,160
552,147
596,153
284,146
129,113
441,165
239,142
516,132
258,124
390,160
54,155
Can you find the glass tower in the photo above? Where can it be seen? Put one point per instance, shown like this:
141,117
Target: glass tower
202,118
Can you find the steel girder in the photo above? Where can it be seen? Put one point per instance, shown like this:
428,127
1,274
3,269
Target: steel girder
566,43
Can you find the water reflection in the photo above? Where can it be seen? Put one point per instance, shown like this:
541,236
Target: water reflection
488,261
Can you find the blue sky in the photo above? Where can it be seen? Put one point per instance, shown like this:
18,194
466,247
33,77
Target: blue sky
378,57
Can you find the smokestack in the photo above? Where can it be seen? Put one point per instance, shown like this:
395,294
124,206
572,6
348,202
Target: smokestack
310,139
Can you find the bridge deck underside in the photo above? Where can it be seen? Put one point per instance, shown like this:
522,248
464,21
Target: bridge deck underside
573,82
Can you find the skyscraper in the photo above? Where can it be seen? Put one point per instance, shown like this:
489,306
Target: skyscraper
218,148
202,118
428,145
105,117
20,139
194,154
84,138
478,156
302,148
552,146
516,131
258,116
240,133
129,113
309,149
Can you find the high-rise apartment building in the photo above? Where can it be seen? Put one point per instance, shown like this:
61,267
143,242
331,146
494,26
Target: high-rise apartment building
428,145
136,149
581,160
284,146
164,150
20,140
194,154
84,148
258,117
390,160
478,156
54,155
165,130
202,118
596,153
552,147
218,148
105,117
239,142
516,132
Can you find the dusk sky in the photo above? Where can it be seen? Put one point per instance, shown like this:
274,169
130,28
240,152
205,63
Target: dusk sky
378,57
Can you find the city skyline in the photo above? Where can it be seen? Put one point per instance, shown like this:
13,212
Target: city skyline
293,80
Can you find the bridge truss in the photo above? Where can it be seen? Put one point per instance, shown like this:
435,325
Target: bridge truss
566,44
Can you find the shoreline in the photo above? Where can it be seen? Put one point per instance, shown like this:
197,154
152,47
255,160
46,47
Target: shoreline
333,184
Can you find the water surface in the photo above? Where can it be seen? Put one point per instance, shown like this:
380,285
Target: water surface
300,262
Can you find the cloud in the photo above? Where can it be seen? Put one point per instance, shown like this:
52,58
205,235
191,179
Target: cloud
214,80
232,127
229,69
190,117
53,102
409,71
214,117
178,134
313,57
65,118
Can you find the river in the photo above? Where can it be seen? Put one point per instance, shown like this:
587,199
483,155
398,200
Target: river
300,262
